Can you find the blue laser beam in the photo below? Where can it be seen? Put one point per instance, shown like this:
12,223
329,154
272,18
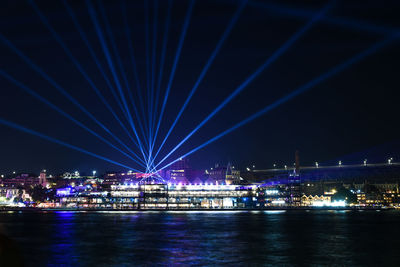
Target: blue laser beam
147,68
100,68
75,61
204,71
254,75
121,67
302,89
147,58
106,51
133,60
153,65
57,141
177,55
63,113
113,71
59,88
162,62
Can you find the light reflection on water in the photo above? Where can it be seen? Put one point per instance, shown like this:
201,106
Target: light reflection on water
205,238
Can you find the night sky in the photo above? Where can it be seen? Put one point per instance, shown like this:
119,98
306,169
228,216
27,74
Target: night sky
353,111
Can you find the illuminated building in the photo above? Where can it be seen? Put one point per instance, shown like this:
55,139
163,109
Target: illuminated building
179,172
315,200
294,183
232,176
272,196
23,179
120,177
161,196
224,175
71,175
43,178
8,195
378,194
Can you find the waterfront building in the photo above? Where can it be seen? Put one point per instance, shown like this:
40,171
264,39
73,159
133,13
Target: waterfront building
23,179
120,177
224,175
161,196
315,201
11,195
272,196
179,172
43,178
294,183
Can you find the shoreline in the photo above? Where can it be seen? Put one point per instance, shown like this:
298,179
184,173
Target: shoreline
39,210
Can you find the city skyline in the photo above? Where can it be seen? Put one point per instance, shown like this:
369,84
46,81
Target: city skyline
321,85
199,133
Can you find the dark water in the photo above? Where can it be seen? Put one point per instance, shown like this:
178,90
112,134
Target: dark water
206,238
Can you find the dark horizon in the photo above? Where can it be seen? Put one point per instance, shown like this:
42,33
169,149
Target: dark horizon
350,115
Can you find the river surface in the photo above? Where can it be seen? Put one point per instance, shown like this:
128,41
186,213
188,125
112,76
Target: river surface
241,238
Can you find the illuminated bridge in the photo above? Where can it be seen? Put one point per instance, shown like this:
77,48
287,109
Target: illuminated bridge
378,172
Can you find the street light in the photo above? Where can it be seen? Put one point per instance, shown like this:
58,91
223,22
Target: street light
13,172
248,169
94,173
316,164
340,163
285,167
274,165
365,162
